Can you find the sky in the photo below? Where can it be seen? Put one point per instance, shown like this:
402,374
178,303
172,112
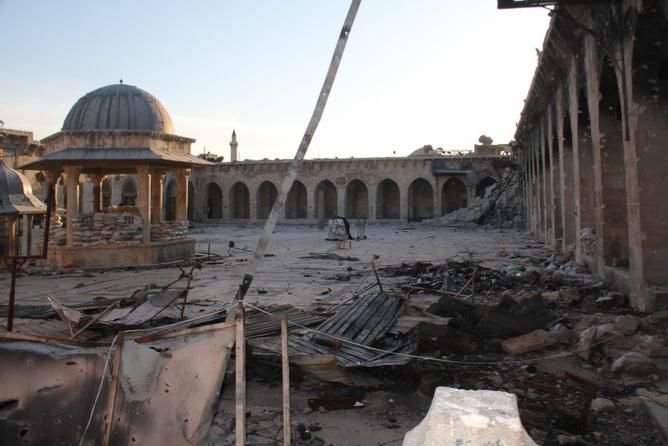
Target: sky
415,72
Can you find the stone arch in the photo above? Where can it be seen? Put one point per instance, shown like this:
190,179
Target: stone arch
453,196
239,200
388,200
357,200
170,200
326,200
483,184
265,198
296,204
214,201
106,192
129,192
420,200
615,247
191,201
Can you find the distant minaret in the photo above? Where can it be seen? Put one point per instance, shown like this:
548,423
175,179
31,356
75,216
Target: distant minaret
234,152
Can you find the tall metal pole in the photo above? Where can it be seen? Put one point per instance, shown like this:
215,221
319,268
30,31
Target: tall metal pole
301,152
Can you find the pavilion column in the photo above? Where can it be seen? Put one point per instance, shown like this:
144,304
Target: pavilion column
96,182
72,211
142,202
157,183
371,189
181,195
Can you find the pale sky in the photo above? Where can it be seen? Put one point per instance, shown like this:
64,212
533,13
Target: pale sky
415,72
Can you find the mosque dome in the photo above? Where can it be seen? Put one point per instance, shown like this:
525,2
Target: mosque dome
118,107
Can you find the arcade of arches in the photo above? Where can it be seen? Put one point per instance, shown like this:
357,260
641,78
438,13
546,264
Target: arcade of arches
591,144
399,189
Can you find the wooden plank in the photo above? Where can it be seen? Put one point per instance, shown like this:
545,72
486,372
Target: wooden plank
240,384
386,311
286,381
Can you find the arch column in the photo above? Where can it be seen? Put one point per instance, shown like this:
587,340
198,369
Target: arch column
341,200
157,184
72,174
143,202
182,194
372,189
403,203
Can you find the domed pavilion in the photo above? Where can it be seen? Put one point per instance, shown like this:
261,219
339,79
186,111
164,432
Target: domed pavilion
122,176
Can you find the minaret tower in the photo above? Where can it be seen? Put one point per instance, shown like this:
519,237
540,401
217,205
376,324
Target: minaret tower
234,152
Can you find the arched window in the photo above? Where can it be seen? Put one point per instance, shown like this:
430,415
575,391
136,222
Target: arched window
420,200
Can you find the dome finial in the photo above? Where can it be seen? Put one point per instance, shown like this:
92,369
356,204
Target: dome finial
120,81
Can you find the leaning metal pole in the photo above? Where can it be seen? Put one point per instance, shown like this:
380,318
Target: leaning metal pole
301,152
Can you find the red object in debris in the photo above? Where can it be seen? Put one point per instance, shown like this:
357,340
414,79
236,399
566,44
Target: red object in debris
69,266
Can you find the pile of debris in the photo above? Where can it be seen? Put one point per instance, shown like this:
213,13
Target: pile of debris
500,206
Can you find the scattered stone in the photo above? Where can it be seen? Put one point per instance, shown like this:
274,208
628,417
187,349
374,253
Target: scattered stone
626,324
563,439
529,342
633,362
653,347
561,333
587,338
602,405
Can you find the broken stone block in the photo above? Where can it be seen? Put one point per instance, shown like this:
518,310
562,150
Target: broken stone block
561,333
470,417
633,362
587,338
626,324
550,296
602,405
652,346
529,342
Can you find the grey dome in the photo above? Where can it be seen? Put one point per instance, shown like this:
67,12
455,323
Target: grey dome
16,193
118,107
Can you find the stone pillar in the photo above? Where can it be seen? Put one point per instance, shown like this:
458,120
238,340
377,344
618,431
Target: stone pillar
372,190
26,239
403,203
157,183
555,179
566,190
182,195
96,182
143,202
321,207
544,185
72,211
341,200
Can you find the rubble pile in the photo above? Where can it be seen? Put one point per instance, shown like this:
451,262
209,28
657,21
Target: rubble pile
500,206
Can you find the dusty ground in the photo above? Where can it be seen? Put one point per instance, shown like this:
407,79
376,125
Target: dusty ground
284,276
290,275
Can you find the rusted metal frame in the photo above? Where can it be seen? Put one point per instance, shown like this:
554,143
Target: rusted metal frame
108,417
293,170
590,391
187,290
19,261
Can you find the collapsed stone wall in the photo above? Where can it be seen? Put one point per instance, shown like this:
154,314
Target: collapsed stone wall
112,228
500,206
